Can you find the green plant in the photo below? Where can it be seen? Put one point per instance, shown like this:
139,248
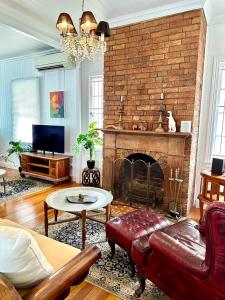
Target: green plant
88,140
18,147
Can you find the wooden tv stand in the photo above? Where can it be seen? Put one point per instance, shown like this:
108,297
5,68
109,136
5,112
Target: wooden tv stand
48,167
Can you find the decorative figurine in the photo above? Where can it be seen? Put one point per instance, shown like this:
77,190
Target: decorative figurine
142,127
171,122
135,127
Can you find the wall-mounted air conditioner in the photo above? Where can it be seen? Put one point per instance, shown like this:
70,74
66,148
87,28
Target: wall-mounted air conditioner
52,61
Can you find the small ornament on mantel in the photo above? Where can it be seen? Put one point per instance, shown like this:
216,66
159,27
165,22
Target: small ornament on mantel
171,122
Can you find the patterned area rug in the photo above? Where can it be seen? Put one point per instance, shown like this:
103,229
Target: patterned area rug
17,186
109,274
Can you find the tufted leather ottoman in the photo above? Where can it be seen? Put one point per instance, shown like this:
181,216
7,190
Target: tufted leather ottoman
127,228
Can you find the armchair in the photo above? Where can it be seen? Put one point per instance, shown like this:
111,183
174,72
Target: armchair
184,262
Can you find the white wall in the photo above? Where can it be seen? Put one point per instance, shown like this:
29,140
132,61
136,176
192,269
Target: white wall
59,79
69,82
215,47
9,70
76,101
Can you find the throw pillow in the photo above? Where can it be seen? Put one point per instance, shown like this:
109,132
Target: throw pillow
21,259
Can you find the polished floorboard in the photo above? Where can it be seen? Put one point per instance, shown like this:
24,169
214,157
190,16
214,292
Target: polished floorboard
28,211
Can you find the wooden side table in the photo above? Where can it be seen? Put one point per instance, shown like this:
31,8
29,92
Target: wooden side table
212,189
91,177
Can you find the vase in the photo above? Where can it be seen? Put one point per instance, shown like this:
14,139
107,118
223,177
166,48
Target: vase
91,164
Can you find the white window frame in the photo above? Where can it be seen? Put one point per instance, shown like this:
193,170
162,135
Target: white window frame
90,96
215,88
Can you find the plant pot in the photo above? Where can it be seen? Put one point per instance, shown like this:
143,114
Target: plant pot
91,164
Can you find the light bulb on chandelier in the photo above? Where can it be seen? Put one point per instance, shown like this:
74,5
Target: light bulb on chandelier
91,39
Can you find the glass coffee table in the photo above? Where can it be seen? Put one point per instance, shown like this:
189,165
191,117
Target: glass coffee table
57,201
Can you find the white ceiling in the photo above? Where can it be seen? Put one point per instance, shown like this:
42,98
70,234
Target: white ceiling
14,43
38,17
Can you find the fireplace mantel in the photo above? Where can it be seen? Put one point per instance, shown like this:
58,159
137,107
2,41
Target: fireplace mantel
139,132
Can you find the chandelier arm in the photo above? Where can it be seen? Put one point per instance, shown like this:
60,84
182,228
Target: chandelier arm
82,5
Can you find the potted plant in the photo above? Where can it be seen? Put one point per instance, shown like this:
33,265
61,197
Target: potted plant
88,141
18,147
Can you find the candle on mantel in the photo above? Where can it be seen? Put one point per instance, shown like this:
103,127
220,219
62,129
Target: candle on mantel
162,96
121,99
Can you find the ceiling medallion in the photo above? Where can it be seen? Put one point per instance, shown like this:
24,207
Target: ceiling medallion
90,41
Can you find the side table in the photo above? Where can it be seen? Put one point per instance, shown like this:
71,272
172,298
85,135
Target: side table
91,177
212,189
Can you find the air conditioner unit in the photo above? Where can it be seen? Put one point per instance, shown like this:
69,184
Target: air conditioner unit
52,61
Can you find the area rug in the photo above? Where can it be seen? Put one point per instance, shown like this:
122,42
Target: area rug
17,186
109,274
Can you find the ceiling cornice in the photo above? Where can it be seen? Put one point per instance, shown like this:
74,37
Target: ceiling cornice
162,11
27,56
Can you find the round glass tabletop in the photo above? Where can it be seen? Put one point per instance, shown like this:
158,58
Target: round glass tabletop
57,200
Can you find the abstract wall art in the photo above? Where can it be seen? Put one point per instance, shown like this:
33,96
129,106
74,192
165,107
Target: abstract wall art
57,104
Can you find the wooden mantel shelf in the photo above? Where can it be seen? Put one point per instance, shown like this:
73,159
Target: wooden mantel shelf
139,132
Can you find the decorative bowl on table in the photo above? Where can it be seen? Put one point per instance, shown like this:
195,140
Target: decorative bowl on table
81,199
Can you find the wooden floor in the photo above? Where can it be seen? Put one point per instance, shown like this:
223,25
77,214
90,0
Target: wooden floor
28,211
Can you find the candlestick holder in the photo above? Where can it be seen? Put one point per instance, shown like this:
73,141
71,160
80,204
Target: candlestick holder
162,109
119,125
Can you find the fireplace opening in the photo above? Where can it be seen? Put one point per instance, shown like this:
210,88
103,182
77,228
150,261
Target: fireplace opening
140,180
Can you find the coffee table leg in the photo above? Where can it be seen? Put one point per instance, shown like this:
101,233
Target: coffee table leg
46,218
84,217
56,214
108,212
4,184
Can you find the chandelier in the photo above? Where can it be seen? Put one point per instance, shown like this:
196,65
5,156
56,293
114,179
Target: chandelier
90,41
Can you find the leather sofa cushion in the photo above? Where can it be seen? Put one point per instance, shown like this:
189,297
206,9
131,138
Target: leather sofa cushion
183,244
125,229
186,233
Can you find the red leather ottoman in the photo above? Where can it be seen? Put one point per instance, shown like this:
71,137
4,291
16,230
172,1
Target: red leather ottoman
127,228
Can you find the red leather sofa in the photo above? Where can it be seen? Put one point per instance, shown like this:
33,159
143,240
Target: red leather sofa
182,261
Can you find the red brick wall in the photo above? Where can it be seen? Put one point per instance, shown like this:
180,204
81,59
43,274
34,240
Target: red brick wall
145,59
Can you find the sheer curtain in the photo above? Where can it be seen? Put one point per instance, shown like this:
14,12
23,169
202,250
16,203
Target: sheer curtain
25,107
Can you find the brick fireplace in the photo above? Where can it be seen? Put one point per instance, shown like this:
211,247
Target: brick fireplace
168,149
142,61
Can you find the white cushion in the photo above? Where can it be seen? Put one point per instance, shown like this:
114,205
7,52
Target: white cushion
21,259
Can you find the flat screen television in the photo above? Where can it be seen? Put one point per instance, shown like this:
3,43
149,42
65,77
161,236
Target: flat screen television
48,138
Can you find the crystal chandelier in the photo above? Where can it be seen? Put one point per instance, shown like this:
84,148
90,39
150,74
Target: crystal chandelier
90,41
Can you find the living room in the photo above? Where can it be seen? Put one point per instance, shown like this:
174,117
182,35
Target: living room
112,153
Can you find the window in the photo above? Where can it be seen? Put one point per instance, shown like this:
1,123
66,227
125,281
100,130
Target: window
96,100
218,134
25,108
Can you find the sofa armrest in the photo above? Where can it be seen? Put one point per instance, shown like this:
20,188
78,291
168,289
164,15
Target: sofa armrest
57,286
179,254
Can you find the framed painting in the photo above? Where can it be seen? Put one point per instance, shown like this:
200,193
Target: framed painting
57,104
